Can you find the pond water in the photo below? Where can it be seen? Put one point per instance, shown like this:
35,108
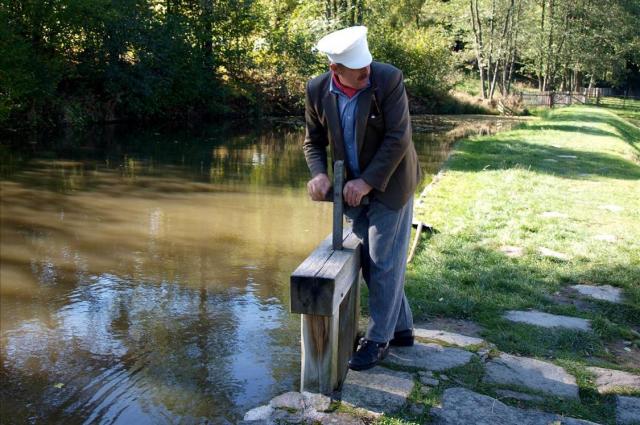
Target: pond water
144,277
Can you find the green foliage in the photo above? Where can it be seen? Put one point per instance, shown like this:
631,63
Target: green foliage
422,53
82,61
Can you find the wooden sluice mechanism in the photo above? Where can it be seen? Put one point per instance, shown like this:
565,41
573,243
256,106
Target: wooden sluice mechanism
325,290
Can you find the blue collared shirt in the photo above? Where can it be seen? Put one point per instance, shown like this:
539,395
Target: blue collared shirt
347,109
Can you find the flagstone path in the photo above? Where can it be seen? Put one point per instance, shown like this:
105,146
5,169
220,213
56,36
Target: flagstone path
368,394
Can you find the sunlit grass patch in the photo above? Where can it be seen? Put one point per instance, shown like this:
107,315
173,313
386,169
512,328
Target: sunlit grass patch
568,183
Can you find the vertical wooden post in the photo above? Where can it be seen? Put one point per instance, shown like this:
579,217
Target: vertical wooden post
319,353
325,290
338,183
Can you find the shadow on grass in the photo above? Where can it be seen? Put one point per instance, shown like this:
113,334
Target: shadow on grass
503,154
571,129
628,132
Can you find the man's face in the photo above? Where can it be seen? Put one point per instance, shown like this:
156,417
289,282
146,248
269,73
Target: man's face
354,78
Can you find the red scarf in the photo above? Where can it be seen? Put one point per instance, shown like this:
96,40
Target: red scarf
350,92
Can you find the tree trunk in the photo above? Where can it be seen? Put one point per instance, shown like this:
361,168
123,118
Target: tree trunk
507,21
547,72
477,32
514,44
207,45
490,75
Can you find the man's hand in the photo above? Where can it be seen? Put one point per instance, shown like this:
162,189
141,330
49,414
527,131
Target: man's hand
318,187
354,191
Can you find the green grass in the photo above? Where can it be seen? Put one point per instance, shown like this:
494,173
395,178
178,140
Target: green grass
626,108
492,195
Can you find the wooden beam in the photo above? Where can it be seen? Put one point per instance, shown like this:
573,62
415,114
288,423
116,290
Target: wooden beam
320,283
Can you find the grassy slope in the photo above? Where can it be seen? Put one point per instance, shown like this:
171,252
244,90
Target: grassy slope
492,194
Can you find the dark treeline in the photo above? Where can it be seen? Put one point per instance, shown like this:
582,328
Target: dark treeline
82,61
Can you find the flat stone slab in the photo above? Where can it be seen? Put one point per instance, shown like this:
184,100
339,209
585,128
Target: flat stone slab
609,380
516,395
337,419
428,357
448,337
295,407
461,406
549,253
461,326
377,390
547,320
512,251
553,214
612,208
531,373
627,410
600,292
606,238
291,400
262,413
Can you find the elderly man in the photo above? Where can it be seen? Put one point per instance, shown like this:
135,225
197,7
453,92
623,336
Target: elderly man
359,109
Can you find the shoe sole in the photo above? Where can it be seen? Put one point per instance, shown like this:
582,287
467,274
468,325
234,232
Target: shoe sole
369,365
402,342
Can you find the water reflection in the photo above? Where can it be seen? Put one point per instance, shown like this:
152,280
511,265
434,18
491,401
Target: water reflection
144,277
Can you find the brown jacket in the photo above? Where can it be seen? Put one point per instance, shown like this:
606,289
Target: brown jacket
387,157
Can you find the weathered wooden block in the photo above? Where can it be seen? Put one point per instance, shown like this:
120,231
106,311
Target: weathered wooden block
325,291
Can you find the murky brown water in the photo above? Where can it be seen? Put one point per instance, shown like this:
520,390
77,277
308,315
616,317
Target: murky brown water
144,277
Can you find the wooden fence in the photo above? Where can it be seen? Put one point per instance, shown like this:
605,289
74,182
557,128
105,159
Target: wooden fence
552,99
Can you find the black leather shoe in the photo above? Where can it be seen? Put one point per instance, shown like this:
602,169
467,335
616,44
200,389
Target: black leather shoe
403,338
368,355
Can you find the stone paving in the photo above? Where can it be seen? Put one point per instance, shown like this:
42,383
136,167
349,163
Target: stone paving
368,394
531,373
461,406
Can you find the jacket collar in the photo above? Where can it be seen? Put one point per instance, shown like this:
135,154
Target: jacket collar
330,105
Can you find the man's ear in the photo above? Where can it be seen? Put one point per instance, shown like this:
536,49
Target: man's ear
333,67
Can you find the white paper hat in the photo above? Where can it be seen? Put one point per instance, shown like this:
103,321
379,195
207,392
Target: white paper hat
347,46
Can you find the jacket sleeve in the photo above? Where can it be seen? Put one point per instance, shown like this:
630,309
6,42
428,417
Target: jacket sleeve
315,139
397,137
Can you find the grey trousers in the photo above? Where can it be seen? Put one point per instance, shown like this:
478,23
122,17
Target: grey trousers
385,237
